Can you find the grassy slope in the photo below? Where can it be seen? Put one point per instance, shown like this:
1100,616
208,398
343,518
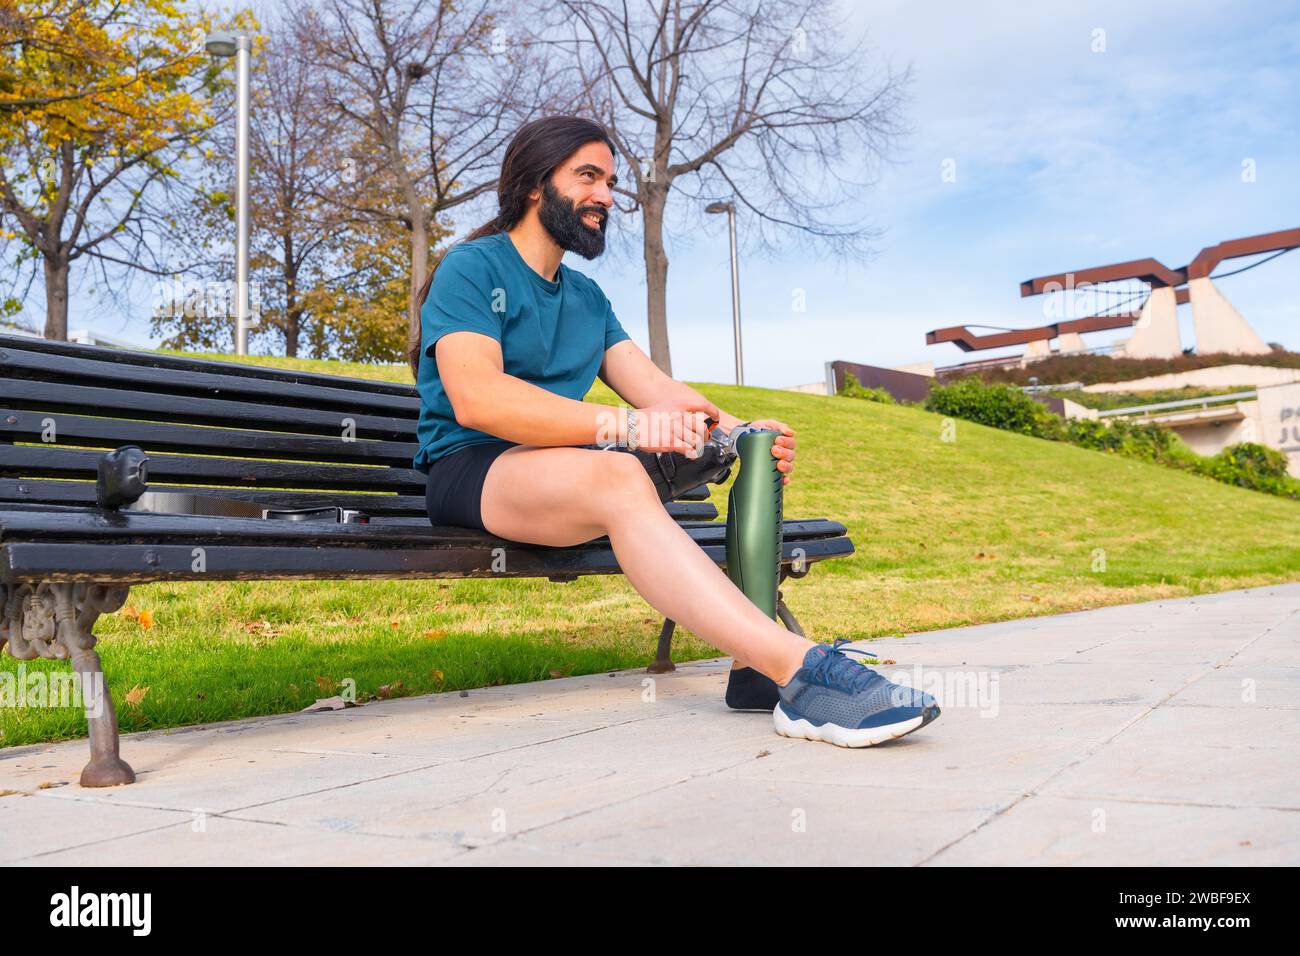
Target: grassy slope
988,527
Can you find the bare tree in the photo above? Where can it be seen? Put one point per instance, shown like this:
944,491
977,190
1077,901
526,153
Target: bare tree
293,150
433,90
295,163
760,102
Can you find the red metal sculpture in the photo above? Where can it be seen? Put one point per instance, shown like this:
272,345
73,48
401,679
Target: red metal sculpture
1151,272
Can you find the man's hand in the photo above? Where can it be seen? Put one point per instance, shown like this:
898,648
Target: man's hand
676,425
782,448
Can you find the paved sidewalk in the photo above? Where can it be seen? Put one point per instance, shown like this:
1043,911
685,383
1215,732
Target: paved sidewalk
1160,733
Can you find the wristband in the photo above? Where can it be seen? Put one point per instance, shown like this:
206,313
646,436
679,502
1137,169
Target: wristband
633,438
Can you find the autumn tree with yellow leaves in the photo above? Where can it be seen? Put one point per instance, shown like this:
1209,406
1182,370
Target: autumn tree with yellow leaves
101,103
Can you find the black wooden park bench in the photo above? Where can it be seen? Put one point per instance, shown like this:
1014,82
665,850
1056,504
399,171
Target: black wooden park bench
277,439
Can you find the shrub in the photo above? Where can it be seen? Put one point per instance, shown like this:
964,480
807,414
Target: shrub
999,406
855,389
1144,440
1250,465
1246,465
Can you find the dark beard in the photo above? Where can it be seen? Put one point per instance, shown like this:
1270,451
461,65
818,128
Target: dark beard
563,220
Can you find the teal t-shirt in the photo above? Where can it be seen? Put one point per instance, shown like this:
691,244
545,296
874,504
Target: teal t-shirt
552,334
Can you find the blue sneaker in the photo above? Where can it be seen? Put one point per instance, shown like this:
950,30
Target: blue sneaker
842,702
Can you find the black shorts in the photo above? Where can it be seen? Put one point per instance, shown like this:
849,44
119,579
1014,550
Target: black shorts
455,488
454,491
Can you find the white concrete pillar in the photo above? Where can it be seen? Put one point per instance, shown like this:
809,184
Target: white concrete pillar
1070,342
1038,349
1219,326
1155,335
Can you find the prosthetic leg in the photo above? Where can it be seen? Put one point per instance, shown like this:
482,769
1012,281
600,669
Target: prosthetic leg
753,537
754,523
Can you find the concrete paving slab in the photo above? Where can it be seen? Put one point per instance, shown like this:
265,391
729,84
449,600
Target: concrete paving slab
469,804
223,842
1174,723
30,822
1262,687
1068,831
1177,768
215,781
725,819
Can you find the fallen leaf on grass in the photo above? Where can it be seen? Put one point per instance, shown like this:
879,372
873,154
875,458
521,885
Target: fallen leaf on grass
262,627
135,696
434,635
556,672
142,617
329,703
326,684
388,690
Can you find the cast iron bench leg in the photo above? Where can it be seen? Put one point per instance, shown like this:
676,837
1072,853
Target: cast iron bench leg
663,662
79,607
57,621
787,617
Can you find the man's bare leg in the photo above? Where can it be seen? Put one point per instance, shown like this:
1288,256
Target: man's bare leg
562,496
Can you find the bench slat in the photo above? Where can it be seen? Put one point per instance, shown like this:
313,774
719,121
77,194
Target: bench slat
90,400
18,425
72,370
137,563
47,462
36,491
90,525
185,364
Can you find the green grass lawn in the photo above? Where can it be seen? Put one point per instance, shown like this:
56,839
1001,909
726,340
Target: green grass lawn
987,527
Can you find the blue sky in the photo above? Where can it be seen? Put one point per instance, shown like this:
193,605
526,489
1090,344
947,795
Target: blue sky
1064,158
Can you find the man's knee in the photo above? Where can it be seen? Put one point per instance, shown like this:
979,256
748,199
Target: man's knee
623,479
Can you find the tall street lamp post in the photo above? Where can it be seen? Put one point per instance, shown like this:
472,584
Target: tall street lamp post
224,44
730,210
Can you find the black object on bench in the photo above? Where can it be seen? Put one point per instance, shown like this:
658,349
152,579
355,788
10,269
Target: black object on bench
281,439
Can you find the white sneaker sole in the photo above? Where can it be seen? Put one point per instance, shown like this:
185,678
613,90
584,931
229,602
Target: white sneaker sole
842,736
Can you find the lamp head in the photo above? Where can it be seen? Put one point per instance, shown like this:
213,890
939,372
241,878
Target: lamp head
221,43
719,207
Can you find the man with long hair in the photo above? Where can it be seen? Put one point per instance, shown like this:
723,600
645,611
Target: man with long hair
511,340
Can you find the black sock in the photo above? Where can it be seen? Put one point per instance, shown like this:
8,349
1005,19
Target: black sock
748,689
